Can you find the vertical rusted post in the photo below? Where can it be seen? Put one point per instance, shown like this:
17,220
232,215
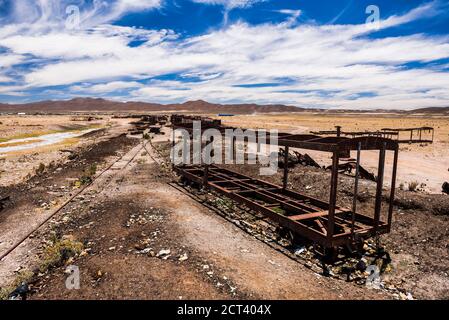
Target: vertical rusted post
411,135
234,149
393,187
206,176
433,134
333,197
356,189
380,182
420,134
173,146
338,131
285,179
207,164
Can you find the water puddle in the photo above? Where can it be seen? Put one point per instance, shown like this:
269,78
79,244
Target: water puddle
39,141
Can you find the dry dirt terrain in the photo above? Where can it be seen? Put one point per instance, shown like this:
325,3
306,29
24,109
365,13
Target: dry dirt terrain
18,166
133,235
426,164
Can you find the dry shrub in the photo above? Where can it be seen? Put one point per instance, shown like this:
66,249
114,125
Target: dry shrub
413,186
88,174
59,252
41,169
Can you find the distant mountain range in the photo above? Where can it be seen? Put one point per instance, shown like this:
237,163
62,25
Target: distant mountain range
102,105
438,110
200,106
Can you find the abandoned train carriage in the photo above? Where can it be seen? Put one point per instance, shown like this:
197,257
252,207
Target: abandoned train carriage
324,223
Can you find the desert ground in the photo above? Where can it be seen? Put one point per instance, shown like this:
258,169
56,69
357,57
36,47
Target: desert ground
426,164
135,234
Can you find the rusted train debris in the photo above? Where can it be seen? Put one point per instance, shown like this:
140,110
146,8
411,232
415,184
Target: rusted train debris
401,135
324,223
152,123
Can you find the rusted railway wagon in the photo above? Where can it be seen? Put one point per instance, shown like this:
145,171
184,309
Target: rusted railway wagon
323,222
401,135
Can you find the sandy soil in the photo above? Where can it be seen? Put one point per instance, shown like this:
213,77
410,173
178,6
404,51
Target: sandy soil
34,201
428,164
30,125
19,166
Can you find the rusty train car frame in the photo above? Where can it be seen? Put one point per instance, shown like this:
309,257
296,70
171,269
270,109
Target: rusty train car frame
410,131
324,223
388,133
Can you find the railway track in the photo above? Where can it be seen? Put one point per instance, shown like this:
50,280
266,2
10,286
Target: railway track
266,231
73,197
244,221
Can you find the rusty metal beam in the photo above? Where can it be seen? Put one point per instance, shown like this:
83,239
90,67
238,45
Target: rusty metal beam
393,188
380,181
285,177
333,197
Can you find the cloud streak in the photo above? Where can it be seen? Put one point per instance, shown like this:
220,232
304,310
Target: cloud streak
230,4
308,65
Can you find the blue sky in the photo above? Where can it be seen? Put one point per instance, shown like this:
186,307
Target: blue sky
328,54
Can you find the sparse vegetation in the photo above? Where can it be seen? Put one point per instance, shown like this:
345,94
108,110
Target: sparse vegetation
413,186
89,174
279,210
59,252
41,169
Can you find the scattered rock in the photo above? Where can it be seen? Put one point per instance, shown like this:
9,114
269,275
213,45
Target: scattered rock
299,251
183,257
163,253
85,252
145,251
68,237
20,293
446,187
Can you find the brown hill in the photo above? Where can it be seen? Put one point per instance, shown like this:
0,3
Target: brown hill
102,105
199,106
437,110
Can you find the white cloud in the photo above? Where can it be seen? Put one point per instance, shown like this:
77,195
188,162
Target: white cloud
4,78
41,14
106,87
8,60
313,65
230,4
294,15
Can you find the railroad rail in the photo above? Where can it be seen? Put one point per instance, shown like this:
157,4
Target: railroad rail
322,222
68,201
